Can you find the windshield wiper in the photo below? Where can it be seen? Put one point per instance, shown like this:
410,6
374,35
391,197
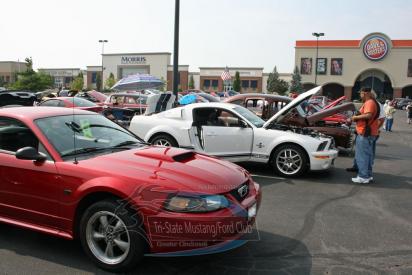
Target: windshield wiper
125,143
97,149
83,151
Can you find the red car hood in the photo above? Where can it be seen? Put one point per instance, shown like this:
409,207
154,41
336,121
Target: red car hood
182,169
96,109
97,95
332,112
280,115
335,103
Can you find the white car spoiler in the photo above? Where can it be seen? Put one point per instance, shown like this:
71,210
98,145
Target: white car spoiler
159,102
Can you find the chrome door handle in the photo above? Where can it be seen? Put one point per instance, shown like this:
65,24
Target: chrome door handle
211,134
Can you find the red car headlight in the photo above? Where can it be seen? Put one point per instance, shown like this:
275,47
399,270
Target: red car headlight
196,203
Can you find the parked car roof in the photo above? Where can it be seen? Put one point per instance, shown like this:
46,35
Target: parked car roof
258,95
33,113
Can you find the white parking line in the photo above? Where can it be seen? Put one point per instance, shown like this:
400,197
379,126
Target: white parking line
267,177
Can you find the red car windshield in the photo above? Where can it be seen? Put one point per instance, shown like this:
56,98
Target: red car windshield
80,102
85,134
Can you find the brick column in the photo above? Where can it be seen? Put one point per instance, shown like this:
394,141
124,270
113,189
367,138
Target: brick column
348,93
397,92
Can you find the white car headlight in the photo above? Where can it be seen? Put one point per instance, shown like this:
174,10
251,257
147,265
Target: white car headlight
322,146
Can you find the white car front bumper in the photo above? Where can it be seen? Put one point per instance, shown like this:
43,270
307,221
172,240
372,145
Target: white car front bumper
322,160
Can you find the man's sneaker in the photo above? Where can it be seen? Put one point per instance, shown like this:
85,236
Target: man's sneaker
352,169
360,180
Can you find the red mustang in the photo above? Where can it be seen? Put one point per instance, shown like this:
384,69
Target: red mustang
72,102
82,176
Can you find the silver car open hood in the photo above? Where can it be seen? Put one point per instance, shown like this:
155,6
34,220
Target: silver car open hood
285,110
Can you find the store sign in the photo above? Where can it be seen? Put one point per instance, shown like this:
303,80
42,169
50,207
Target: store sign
375,48
133,60
61,73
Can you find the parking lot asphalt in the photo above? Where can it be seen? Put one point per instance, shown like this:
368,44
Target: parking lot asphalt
320,224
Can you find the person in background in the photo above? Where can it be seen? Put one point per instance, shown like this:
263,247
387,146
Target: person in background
384,107
409,112
367,130
386,103
109,114
389,111
381,122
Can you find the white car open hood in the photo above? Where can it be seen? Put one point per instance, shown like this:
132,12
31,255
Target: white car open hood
298,100
160,102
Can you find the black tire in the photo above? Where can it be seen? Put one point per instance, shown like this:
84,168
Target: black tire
164,140
287,169
133,230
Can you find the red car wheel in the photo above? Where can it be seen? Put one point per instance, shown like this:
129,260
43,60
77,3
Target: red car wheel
112,236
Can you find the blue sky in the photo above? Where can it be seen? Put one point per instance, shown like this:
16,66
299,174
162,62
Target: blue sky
259,33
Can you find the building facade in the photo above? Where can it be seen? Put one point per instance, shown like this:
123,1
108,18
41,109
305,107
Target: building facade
90,77
62,77
159,65
183,79
124,64
251,79
344,66
283,76
9,71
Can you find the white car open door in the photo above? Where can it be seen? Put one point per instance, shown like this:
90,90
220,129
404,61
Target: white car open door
226,135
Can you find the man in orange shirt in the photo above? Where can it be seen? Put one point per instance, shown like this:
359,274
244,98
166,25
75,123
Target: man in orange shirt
367,130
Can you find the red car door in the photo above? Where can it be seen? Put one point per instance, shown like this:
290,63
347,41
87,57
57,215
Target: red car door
29,191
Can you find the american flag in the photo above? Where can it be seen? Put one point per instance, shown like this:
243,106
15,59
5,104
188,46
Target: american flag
226,75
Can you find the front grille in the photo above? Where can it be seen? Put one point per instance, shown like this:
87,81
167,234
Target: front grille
241,192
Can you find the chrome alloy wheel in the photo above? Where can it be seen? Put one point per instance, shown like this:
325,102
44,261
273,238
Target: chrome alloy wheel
108,237
289,161
162,142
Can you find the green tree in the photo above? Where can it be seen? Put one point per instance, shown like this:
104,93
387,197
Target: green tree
110,81
29,64
31,80
80,75
275,84
77,83
1,82
282,87
163,87
236,82
296,84
191,82
98,82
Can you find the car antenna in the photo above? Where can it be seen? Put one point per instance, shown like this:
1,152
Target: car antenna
74,134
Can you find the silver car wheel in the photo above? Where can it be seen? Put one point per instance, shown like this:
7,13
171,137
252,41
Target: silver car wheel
162,142
107,237
289,161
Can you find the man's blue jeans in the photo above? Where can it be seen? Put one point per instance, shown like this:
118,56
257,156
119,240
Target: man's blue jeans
389,123
364,155
374,153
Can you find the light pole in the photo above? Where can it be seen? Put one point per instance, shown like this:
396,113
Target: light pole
102,41
317,34
176,50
